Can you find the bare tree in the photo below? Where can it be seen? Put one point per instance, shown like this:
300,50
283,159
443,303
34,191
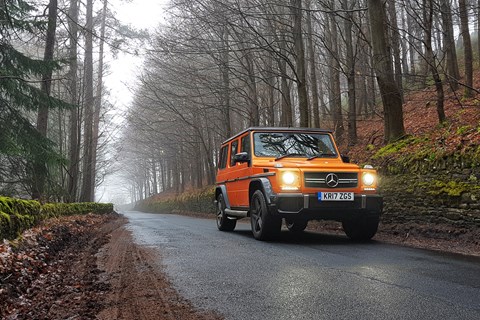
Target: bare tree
453,73
88,182
74,139
301,81
315,116
391,97
467,47
431,59
350,72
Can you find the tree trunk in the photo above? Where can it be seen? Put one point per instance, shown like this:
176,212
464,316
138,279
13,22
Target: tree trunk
252,86
74,143
350,73
88,180
411,44
453,73
40,167
270,118
296,8
286,118
404,44
467,48
336,95
313,72
98,96
478,31
396,45
431,61
392,101
154,174
226,84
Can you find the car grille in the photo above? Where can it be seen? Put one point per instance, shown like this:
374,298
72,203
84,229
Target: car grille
319,179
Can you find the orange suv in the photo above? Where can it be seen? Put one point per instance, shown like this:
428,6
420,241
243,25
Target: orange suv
296,174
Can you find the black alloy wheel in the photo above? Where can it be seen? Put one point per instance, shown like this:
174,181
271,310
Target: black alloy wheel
223,222
264,225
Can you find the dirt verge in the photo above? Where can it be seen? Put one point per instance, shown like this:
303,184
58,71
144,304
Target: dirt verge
86,267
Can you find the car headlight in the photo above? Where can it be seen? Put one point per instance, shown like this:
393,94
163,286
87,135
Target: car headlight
368,179
290,181
288,177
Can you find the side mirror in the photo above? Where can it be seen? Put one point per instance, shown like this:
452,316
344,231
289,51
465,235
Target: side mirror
345,158
241,157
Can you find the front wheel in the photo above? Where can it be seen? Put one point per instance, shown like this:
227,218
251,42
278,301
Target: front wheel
223,222
264,225
361,229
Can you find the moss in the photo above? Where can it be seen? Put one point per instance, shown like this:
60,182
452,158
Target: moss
370,147
450,188
398,146
463,129
17,215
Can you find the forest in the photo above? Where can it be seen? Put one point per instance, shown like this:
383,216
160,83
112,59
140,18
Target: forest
211,69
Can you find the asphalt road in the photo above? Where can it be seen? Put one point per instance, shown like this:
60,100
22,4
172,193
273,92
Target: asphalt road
313,276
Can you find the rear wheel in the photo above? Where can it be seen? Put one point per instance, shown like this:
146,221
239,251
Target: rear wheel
296,226
223,222
361,229
264,225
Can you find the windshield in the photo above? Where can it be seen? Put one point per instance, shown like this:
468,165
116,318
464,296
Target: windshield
290,144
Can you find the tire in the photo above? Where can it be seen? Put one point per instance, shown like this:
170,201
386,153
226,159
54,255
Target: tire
362,229
264,225
297,226
223,222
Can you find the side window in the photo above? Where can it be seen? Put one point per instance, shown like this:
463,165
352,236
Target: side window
233,152
222,162
245,147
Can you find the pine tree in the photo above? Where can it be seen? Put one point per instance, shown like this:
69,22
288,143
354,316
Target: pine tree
20,141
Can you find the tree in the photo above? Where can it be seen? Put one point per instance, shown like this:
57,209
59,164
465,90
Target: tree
296,8
40,169
74,138
391,97
313,72
467,48
335,90
21,144
430,58
453,73
350,72
88,186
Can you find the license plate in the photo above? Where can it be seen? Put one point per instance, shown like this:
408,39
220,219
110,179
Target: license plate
335,196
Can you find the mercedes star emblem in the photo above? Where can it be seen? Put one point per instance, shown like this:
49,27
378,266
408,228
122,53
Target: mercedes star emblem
332,180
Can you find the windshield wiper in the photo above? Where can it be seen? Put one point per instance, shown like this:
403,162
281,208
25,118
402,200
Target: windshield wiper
290,155
321,155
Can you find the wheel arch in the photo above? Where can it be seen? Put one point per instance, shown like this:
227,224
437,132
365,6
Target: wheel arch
262,184
222,189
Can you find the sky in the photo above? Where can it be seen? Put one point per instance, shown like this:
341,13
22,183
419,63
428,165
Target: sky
140,14
123,72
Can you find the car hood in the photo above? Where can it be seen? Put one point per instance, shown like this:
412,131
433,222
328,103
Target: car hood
320,164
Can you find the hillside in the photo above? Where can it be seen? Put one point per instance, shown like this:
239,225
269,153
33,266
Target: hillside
460,134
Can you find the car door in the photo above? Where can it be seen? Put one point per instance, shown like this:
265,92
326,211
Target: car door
244,170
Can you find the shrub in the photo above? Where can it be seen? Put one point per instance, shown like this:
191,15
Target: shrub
17,215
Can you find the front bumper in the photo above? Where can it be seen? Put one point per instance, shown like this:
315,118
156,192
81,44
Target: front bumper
307,206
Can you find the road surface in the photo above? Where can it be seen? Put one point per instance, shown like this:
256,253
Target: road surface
313,276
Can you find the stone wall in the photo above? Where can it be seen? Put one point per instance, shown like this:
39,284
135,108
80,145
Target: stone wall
438,194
